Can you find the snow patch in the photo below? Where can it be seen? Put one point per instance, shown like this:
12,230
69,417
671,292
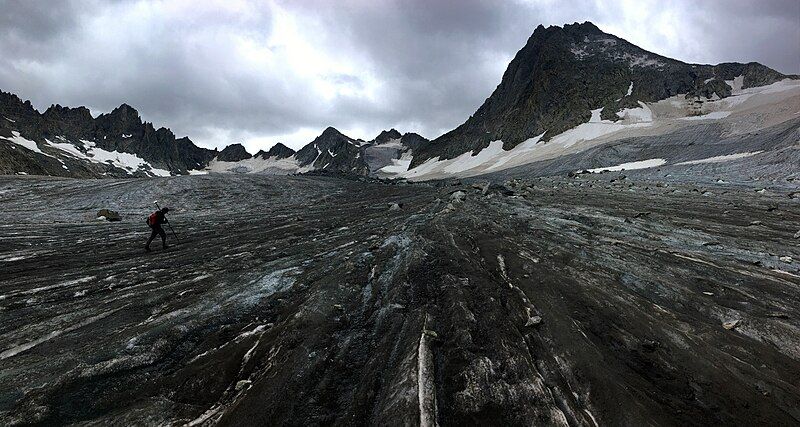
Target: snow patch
126,161
642,164
25,143
736,84
596,116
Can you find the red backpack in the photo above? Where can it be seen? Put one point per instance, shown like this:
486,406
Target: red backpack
153,218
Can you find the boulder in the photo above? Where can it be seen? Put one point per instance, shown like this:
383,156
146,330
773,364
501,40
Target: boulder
730,324
108,215
458,196
482,186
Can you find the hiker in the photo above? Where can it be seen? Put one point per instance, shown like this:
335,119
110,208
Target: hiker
154,221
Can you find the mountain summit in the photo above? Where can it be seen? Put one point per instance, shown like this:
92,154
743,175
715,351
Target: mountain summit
564,72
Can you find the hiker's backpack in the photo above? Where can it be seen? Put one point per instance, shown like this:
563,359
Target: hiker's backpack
152,219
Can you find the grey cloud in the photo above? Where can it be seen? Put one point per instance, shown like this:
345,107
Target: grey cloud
430,63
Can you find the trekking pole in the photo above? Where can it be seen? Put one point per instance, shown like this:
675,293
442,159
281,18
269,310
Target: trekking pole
168,224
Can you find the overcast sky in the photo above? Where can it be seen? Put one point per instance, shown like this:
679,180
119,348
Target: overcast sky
267,71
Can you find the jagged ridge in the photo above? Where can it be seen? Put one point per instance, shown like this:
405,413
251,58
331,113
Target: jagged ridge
121,130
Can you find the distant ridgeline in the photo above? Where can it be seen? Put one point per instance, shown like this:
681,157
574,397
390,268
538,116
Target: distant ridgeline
69,142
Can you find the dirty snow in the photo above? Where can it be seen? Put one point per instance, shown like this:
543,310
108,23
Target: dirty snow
400,165
719,159
643,114
716,115
268,166
392,143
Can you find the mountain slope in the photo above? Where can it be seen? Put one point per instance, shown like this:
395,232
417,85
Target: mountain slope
561,74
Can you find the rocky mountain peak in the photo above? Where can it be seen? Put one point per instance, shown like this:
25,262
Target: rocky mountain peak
587,27
124,113
333,151
122,120
414,141
387,135
277,151
233,153
330,132
78,115
562,73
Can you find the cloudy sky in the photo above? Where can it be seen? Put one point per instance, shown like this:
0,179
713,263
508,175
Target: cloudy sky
267,71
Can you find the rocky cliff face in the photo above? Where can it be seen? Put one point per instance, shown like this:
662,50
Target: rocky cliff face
66,141
562,73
